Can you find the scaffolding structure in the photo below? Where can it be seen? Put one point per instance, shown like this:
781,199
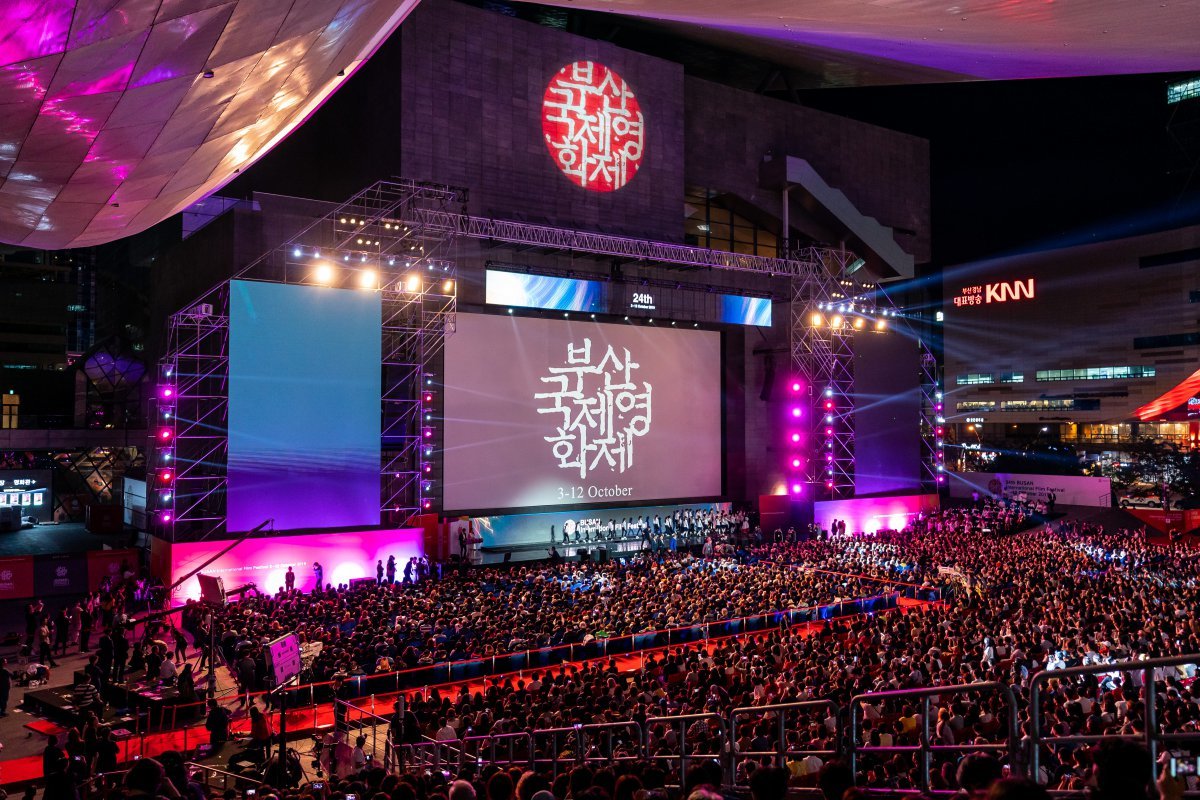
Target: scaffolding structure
375,241
933,423
399,238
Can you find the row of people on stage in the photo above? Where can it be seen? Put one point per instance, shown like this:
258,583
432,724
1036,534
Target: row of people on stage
685,523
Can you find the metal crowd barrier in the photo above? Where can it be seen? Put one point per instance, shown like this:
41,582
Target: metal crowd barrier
925,748
780,754
1151,737
685,755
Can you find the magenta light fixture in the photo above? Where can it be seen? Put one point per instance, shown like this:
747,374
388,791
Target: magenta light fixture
795,438
796,386
164,434
797,411
166,392
797,488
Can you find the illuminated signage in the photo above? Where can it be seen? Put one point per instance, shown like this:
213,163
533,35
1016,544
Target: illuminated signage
593,126
1000,292
643,301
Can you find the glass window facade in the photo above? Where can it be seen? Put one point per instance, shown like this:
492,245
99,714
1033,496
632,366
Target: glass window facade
1095,373
975,379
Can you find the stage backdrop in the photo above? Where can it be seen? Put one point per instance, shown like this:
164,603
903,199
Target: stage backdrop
542,412
264,562
873,514
887,414
1070,491
304,406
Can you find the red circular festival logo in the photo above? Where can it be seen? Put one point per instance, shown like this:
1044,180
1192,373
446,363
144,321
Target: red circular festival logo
593,126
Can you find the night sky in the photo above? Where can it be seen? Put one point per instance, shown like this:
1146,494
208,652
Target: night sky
1016,165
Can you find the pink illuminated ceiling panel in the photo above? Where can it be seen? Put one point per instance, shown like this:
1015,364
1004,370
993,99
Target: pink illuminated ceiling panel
108,123
901,41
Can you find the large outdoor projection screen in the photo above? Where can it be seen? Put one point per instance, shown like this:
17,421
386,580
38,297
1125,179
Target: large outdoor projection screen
543,412
304,406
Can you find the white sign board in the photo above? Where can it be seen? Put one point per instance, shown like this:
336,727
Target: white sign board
283,658
1069,490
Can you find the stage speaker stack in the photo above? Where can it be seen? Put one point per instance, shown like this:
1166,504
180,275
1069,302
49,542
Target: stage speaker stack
583,555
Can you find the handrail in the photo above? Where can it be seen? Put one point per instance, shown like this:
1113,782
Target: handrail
683,720
925,748
781,751
1150,737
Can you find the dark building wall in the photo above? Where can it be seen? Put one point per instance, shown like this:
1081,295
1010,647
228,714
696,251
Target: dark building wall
884,173
473,83
1127,302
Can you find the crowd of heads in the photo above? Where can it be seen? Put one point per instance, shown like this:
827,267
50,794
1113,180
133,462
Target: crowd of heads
1016,605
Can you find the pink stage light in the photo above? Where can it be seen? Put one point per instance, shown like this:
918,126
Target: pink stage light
165,477
164,434
166,391
797,488
795,463
796,387
829,431
795,438
828,405
166,518
796,411
828,484
427,505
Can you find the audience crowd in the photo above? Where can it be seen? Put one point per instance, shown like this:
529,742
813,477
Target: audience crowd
1019,602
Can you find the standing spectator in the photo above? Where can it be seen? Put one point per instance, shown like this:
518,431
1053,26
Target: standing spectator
289,579
62,631
181,645
320,574
379,571
86,620
5,686
391,570
217,724
120,652
45,646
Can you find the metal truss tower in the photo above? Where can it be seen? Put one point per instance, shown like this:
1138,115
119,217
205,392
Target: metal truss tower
376,241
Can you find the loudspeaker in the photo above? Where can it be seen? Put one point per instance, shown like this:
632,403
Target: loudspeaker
602,555
583,555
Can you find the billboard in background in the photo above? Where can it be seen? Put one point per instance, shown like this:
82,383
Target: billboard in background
264,562
522,290
544,412
61,574
16,577
1069,490
30,489
304,406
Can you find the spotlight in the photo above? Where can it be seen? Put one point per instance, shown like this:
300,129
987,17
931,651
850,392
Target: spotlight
413,283
510,311
797,488
795,438
828,484
429,397
796,411
836,321
795,463
368,279
323,274
881,324
165,477
796,386
858,323
166,497
829,431
164,434
297,252
828,405
829,391
829,417
165,517
817,319
166,391
428,504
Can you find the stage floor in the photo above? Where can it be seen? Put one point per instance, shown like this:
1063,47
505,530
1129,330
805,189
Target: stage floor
56,539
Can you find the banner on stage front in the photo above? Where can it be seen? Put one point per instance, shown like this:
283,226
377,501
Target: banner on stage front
1068,490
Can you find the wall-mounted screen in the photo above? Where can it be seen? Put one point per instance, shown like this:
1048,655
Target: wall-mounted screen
522,290
545,412
304,406
739,310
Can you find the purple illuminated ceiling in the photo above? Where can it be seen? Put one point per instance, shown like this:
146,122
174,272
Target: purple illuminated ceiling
903,41
108,123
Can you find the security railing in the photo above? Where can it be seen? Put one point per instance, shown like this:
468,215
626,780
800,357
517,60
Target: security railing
661,730
925,749
1152,737
219,780
782,750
